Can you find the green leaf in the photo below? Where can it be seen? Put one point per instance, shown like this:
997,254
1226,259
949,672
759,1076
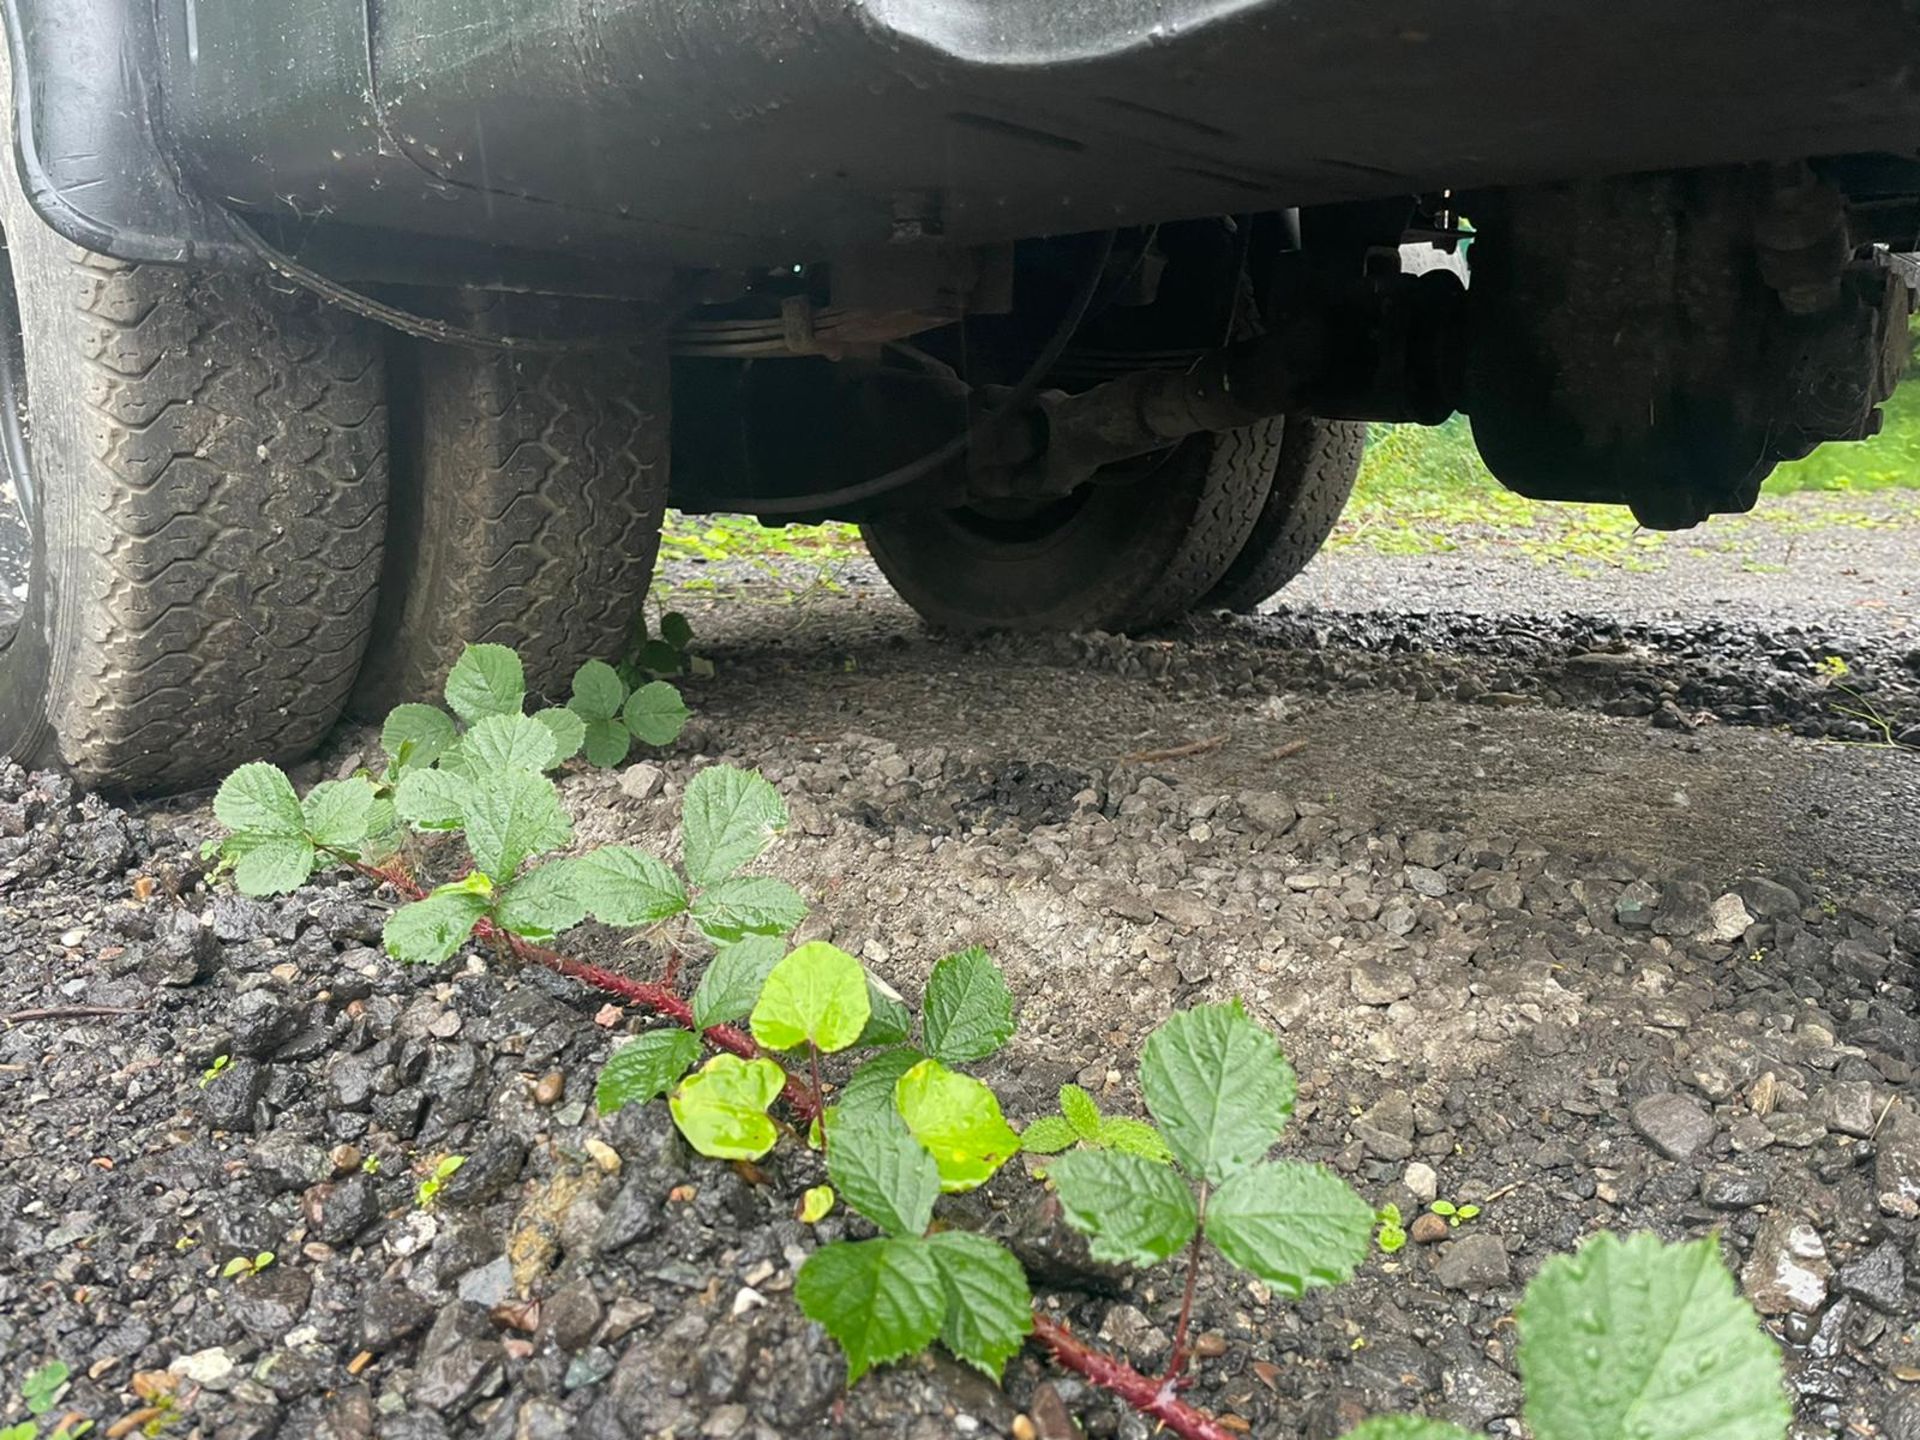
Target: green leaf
598,691
747,905
989,1307
1219,1088
624,886
655,713
880,1299
1081,1113
1292,1224
871,1086
513,815
727,818
337,812
1133,1137
1639,1340
1407,1427
568,729
882,1171
608,742
967,1014
676,630
1132,1211
507,742
428,931
958,1119
268,864
889,1022
383,831
1048,1135
486,680
659,658
644,1068
1442,1207
259,798
817,994
732,983
722,1107
542,902
815,1202
416,734
432,799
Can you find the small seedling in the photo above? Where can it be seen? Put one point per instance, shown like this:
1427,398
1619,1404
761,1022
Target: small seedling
41,1391
1454,1215
370,1165
214,1071
243,1265
443,1170
1080,1123
1391,1235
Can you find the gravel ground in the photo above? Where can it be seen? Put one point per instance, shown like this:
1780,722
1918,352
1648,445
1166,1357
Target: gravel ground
1594,922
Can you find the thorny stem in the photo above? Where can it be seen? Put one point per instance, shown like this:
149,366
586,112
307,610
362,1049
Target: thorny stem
1156,1399
1179,1360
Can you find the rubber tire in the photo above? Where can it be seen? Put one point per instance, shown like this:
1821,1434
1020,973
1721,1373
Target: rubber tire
210,455
1319,461
1130,557
528,496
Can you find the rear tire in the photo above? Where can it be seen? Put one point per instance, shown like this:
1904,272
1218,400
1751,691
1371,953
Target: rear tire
203,461
1110,556
1319,460
528,496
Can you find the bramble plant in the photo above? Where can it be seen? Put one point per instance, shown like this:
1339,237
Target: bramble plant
41,1391
1623,1341
664,656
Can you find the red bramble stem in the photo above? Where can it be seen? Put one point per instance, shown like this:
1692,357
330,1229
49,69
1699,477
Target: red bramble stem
1158,1399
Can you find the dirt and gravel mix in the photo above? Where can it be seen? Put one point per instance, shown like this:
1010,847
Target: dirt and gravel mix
1591,916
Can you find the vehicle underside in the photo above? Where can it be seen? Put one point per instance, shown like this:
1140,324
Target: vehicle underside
1027,290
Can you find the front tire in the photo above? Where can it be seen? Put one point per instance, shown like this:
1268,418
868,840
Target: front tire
199,462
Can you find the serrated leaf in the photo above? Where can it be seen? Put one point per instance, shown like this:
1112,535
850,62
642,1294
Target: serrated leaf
889,1022
428,931
383,831
568,729
259,798
989,1307
1292,1224
1219,1088
644,1068
336,812
676,630
508,742
727,818
542,902
598,691
1048,1135
268,864
1080,1112
747,905
486,680
432,799
513,815
958,1119
882,1171
655,713
416,734
880,1299
624,886
1132,1211
722,1107
1134,1137
872,1085
1407,1427
1639,1340
968,1012
732,983
607,742
817,995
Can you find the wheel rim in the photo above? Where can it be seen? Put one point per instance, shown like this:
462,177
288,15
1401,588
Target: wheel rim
18,502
